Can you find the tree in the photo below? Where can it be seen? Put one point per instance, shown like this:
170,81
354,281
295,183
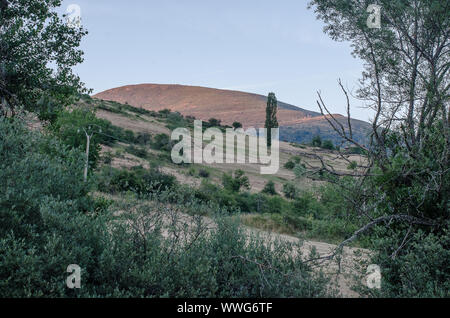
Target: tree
79,129
213,122
290,191
269,188
405,181
234,184
271,117
237,125
37,51
328,144
316,141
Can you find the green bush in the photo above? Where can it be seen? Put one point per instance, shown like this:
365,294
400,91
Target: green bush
203,173
235,183
213,122
138,152
236,125
143,138
328,144
162,142
419,269
269,188
289,165
107,158
138,180
70,127
316,141
289,190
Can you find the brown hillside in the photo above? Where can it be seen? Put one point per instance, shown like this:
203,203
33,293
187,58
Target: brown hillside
205,103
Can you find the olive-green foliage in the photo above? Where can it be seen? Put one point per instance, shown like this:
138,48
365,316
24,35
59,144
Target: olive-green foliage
48,222
352,165
34,170
38,52
328,144
162,142
289,165
271,117
143,138
269,188
236,182
70,127
203,173
236,125
289,191
316,141
213,122
137,151
410,175
137,179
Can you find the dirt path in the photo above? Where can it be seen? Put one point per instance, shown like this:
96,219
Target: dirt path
342,276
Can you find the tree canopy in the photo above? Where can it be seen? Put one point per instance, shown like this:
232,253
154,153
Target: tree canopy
37,52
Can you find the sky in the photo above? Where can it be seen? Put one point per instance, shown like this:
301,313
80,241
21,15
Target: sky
256,46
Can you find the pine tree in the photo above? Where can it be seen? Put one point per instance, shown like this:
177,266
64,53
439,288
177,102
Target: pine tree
271,117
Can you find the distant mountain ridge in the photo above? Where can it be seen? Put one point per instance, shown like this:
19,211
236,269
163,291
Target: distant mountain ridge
296,124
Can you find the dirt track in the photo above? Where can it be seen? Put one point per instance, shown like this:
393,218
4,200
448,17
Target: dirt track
342,276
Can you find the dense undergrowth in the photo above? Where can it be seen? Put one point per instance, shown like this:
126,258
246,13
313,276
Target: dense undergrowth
48,220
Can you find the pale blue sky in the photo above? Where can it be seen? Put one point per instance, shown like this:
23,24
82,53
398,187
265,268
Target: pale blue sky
255,46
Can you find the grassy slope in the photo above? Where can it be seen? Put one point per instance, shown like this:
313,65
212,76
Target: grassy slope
128,117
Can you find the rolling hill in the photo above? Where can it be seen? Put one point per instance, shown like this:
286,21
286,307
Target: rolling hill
296,124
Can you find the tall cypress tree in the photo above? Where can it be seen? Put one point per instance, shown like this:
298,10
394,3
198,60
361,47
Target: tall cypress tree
271,117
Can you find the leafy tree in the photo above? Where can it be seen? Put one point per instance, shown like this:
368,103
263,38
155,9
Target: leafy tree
406,181
289,165
70,127
162,142
37,53
269,188
237,125
48,221
271,117
316,141
289,190
213,122
328,144
234,184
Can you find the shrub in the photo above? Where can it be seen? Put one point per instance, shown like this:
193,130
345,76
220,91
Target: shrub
328,144
138,152
237,125
269,188
162,142
289,190
352,165
203,173
107,158
316,141
234,184
143,138
289,165
164,113
70,128
138,180
192,172
418,270
128,136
